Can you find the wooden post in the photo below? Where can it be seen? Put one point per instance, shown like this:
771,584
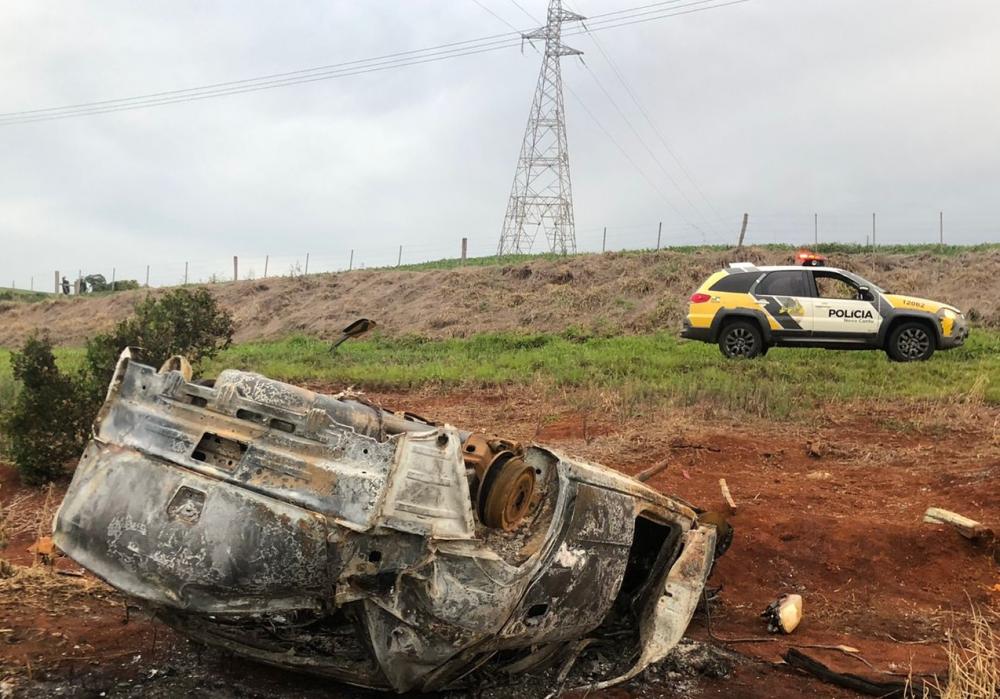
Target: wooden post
113,270
815,229
465,248
350,265
267,258
147,276
743,231
659,232
604,239
236,268
185,273
307,263
57,281
399,259
32,283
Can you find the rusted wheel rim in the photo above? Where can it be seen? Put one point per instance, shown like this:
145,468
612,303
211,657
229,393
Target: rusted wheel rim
509,496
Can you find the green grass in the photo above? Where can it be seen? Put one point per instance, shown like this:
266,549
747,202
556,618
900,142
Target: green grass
645,368
67,358
22,295
638,370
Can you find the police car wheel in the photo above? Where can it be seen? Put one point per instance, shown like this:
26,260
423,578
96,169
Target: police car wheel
910,342
741,339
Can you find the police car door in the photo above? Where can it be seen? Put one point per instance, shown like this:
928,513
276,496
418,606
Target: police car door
841,310
785,296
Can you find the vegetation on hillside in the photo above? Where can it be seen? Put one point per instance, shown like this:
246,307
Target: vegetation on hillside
46,410
46,422
825,248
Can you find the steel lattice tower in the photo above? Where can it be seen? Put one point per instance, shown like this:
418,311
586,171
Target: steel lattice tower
541,196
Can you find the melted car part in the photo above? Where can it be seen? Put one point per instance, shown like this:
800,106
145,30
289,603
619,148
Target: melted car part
327,535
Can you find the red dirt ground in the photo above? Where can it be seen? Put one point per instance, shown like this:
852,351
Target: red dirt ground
830,510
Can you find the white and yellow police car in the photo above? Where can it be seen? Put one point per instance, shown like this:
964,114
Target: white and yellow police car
748,309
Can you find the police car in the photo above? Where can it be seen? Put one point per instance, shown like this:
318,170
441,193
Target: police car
748,309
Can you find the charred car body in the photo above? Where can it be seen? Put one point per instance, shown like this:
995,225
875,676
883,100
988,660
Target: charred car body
324,534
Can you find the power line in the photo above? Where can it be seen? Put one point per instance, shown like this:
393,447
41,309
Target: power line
652,124
649,150
519,6
468,47
617,144
191,97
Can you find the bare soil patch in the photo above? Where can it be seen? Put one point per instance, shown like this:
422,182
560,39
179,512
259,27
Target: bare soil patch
829,510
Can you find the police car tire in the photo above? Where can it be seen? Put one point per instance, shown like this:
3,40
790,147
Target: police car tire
741,339
910,342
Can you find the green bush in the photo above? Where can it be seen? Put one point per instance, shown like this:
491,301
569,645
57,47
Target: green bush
47,422
183,321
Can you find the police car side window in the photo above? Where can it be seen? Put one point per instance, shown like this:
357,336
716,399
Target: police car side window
783,284
835,287
738,283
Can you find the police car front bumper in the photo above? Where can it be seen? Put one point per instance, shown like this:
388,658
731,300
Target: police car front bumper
959,334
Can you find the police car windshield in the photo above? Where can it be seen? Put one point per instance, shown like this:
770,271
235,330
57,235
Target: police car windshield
861,281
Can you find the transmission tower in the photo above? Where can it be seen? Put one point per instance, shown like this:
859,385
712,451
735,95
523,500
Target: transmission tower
541,197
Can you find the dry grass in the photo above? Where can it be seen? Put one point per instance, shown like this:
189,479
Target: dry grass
973,661
632,293
5,526
21,514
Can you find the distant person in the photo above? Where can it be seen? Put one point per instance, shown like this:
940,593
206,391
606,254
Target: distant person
65,286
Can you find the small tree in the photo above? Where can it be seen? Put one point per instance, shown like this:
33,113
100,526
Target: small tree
183,321
47,424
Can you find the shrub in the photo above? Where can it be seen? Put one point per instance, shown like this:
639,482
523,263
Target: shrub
47,423
183,321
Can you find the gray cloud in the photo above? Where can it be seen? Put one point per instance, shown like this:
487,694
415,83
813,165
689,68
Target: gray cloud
777,107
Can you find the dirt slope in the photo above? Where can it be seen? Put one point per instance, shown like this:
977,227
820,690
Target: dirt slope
630,293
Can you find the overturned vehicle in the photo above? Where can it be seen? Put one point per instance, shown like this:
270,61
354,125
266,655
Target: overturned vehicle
326,535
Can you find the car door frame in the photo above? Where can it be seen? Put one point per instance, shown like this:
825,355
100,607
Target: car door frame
842,338
792,328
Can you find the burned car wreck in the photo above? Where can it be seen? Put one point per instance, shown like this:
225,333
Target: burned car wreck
326,535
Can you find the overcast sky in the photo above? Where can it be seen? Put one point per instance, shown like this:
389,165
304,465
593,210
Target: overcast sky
781,108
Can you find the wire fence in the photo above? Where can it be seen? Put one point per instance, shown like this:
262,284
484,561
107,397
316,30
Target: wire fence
788,229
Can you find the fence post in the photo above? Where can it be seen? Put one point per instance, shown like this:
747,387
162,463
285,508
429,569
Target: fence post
267,258
743,230
604,239
236,268
147,276
941,227
465,248
32,283
57,281
185,273
307,263
113,278
659,231
350,265
399,260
